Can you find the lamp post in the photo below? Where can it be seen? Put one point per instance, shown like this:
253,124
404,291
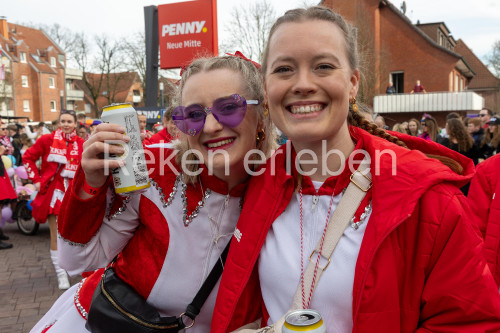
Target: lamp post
161,94
62,99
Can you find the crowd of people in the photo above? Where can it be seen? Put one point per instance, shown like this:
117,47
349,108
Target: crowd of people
476,137
412,252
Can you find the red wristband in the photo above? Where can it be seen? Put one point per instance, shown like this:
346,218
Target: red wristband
89,189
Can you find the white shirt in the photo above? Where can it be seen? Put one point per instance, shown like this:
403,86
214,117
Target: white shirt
280,264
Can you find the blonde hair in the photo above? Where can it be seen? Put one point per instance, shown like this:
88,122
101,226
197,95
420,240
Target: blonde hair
398,127
253,88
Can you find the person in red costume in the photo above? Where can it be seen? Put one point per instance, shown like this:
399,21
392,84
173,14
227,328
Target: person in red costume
7,193
484,199
168,237
143,121
61,152
409,259
168,133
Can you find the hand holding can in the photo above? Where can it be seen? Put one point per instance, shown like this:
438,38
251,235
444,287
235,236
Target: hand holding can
97,160
133,175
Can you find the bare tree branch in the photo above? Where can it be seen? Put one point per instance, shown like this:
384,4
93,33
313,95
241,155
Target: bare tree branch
249,29
493,58
62,36
135,61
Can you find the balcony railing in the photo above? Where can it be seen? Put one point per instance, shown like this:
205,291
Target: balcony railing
430,102
5,90
6,113
72,73
74,95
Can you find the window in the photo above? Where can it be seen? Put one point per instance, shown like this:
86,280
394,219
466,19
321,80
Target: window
398,80
88,108
455,87
5,105
26,105
461,84
22,57
24,80
70,105
52,62
52,83
53,106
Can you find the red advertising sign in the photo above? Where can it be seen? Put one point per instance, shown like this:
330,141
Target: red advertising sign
187,29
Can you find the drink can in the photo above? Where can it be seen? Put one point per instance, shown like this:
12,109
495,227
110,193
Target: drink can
306,320
133,176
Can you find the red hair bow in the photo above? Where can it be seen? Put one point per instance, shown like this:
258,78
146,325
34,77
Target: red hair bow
240,55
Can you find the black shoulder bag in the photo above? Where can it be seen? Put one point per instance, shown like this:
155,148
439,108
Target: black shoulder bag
117,307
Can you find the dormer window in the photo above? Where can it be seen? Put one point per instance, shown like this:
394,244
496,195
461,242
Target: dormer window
52,62
22,57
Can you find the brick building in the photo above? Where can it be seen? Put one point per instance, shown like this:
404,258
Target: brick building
396,50
124,87
169,90
33,66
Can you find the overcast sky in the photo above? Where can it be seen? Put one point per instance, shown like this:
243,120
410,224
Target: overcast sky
476,22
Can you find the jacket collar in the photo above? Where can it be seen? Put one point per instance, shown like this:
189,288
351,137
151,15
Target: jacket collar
398,173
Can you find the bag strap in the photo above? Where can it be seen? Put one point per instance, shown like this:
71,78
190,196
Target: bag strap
194,308
360,184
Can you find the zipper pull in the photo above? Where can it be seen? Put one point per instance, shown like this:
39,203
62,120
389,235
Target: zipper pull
315,202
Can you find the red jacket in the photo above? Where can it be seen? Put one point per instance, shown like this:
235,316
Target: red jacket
162,135
484,200
420,267
47,175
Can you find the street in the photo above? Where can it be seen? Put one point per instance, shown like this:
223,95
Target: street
28,283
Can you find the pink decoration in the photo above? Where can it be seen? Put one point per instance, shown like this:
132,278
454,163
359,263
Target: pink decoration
10,172
21,172
6,215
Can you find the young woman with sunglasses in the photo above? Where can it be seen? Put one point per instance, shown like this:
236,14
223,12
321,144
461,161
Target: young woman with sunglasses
490,144
408,261
430,129
60,152
169,237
